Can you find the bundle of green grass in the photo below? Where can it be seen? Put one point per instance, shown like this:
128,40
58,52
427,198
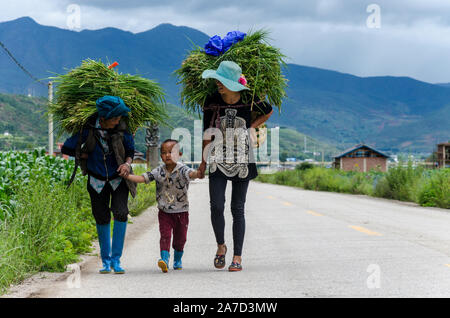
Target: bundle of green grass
77,91
260,62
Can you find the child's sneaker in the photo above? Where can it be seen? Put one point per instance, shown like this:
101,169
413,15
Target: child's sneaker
163,263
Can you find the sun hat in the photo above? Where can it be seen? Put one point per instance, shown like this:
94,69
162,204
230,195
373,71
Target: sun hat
228,73
111,106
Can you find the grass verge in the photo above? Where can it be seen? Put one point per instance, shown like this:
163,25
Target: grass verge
425,187
51,226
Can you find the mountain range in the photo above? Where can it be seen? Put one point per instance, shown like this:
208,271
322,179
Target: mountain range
393,114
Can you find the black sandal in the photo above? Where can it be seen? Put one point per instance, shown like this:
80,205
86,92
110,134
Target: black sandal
219,260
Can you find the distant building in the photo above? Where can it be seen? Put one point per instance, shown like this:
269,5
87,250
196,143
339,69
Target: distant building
443,155
362,158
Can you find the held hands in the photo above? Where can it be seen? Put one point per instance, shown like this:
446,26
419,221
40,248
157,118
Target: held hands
197,174
124,170
201,170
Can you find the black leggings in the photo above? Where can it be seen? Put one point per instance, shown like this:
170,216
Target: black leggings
217,187
118,200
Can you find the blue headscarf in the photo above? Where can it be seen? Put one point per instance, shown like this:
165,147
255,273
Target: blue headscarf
111,106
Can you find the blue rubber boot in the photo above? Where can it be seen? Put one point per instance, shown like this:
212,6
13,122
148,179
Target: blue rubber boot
117,246
104,239
177,255
163,263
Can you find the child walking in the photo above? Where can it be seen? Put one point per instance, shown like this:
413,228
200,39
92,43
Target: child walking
172,183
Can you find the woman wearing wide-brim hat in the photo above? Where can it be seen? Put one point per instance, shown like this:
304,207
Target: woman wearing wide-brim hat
226,123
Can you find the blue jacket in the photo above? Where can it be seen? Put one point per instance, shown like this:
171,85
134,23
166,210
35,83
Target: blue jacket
97,165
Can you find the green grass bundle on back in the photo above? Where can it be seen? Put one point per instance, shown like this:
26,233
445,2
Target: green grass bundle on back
261,65
78,90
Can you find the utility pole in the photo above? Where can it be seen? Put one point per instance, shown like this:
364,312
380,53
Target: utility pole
50,120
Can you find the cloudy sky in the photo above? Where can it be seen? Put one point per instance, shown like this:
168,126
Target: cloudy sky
364,38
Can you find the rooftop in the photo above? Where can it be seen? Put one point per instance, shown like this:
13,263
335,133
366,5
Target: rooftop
359,147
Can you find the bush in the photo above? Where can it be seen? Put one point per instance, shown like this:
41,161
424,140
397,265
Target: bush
400,183
319,179
304,166
436,190
51,226
361,183
428,188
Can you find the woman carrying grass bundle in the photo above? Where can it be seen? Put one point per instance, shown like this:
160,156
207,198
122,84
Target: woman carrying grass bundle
108,151
230,105
101,109
230,154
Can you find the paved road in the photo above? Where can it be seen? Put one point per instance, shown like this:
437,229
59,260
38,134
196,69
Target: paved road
298,244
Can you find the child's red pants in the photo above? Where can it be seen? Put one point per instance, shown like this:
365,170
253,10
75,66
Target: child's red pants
176,223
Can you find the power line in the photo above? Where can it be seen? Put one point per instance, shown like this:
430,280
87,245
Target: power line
20,65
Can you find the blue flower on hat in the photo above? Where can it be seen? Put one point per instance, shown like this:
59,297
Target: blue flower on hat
232,38
214,46
217,46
